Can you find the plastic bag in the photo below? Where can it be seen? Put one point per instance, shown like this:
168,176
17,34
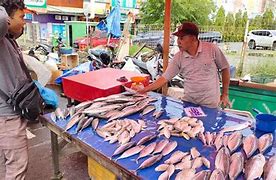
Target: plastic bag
49,96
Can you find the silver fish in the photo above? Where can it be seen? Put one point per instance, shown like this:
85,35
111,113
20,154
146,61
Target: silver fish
150,161
95,123
222,161
169,148
197,163
187,174
123,147
160,146
202,175
254,167
73,121
217,174
194,152
234,141
132,151
236,165
187,164
176,157
170,170
264,142
270,169
236,127
202,138
81,123
162,167
83,105
250,145
53,116
148,109
59,113
146,139
158,114
219,141
146,151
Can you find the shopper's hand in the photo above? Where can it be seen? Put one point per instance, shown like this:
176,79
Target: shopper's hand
224,101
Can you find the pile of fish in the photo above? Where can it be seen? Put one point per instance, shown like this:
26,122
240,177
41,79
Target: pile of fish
181,127
233,141
186,162
120,130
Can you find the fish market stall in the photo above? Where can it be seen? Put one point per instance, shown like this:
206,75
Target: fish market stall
146,137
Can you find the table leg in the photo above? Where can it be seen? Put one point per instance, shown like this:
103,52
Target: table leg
55,156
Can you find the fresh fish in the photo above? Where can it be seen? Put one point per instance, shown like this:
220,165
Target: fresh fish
160,146
146,151
167,132
66,112
236,165
197,162
238,127
219,141
234,141
81,123
59,113
187,164
123,147
73,121
171,121
132,151
270,169
217,174
164,176
158,114
254,167
146,139
103,134
176,157
225,140
148,109
124,137
187,174
209,138
250,145
83,105
53,116
202,175
169,148
72,111
194,152
87,123
150,161
205,162
264,142
95,123
170,170
222,161
162,167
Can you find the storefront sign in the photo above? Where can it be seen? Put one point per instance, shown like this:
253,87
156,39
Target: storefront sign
125,3
35,3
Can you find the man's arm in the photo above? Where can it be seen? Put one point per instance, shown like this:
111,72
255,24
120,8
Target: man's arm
4,22
225,73
155,85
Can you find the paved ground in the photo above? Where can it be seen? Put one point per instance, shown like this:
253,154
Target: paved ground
73,166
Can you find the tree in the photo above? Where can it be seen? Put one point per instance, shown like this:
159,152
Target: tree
267,19
238,19
220,17
152,11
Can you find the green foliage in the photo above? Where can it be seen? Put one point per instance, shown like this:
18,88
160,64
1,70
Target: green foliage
152,11
267,68
220,17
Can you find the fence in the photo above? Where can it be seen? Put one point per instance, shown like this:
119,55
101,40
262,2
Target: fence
255,57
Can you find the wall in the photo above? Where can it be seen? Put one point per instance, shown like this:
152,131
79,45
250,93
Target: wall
66,3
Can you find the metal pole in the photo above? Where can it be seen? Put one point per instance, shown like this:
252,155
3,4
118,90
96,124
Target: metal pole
55,156
87,32
166,43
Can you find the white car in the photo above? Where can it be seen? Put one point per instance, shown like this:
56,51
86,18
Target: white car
262,38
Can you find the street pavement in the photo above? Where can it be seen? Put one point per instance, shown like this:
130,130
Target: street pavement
73,164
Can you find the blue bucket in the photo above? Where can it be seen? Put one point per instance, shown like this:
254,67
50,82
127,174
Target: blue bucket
265,122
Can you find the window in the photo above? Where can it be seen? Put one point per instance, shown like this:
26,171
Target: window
57,17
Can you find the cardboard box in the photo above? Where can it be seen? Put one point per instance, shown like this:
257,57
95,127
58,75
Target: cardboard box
69,61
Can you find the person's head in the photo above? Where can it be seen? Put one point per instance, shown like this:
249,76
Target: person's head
187,33
15,10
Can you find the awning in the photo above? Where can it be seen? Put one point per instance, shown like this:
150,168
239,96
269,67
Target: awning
64,10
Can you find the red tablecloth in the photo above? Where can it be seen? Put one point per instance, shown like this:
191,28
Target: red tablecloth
99,83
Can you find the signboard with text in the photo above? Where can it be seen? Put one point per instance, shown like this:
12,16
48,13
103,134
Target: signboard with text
125,3
36,3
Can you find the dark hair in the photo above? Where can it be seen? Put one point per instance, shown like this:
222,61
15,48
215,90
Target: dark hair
12,5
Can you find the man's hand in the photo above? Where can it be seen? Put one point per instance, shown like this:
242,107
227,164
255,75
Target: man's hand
224,101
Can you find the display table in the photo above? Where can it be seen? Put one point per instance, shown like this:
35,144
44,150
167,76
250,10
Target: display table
95,147
99,83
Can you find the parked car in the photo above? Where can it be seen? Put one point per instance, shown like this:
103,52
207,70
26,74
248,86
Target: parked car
212,36
262,38
96,39
151,38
